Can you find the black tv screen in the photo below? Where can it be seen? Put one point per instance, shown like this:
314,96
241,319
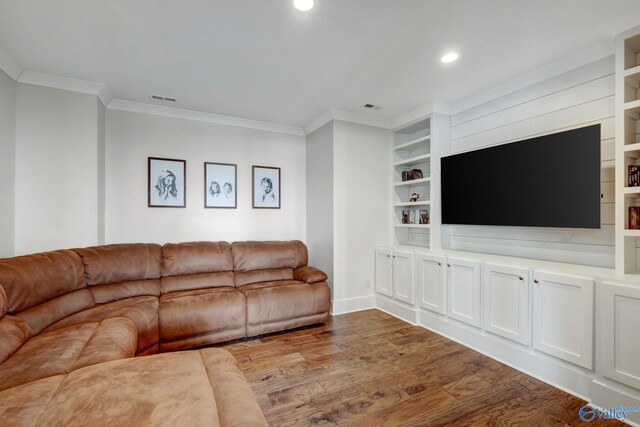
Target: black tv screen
548,181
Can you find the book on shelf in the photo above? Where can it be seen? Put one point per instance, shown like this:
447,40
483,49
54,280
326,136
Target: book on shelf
634,217
415,216
633,176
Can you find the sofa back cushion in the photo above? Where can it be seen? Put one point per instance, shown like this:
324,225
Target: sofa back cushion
14,333
46,314
3,302
34,279
196,265
119,271
248,256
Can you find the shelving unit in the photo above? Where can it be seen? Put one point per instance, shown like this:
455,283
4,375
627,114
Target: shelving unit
415,148
627,147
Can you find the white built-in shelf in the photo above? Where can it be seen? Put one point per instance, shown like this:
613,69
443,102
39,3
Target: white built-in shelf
631,107
632,233
413,182
632,147
414,160
413,226
632,190
418,203
633,75
413,144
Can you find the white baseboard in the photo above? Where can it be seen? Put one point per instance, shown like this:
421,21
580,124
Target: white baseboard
349,305
606,397
397,309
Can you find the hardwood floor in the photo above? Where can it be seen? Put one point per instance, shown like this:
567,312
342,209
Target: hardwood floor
371,369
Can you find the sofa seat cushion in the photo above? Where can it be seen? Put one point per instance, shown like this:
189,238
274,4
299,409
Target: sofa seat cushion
286,304
142,311
63,350
194,388
23,405
202,313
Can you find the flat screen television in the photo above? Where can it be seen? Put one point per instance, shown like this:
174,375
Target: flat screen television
548,181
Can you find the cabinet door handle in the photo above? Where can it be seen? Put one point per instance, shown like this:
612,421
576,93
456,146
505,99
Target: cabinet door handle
388,256
536,281
394,256
439,263
448,265
520,278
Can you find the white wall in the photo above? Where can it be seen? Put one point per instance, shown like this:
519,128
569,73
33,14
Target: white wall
132,137
56,171
362,198
320,199
578,98
7,164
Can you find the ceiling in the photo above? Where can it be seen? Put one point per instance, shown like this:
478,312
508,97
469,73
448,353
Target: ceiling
264,60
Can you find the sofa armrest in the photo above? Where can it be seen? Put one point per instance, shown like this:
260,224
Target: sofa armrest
309,274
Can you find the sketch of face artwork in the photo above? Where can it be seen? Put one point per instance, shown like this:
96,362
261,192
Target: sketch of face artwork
266,187
214,189
220,185
166,185
268,195
227,189
166,182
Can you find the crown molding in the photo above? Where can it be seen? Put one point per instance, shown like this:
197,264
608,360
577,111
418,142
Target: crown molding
74,85
346,116
316,124
596,52
178,113
9,66
420,113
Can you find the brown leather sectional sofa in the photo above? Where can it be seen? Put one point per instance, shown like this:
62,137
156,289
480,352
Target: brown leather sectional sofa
72,320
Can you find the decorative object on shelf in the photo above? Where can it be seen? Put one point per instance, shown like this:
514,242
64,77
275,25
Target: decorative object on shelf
166,184
634,217
633,176
220,185
405,217
266,187
412,174
424,216
414,197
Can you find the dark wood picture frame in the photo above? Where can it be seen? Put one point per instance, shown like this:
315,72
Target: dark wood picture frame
150,186
234,186
264,204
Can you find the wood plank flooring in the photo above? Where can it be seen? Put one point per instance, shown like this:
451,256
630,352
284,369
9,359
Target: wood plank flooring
371,369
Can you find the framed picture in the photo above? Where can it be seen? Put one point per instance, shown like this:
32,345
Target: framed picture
167,183
266,187
220,185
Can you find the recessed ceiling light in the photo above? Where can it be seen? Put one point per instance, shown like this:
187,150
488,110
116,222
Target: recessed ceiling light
449,57
303,5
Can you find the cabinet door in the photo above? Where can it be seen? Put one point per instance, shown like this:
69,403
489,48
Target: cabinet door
403,276
620,345
384,271
431,282
463,289
506,302
563,317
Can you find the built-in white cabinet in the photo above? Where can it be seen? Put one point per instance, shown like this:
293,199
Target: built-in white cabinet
463,290
384,271
431,285
563,317
403,276
506,302
394,274
620,344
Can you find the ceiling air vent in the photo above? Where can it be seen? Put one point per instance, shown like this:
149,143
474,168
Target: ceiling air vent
162,98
